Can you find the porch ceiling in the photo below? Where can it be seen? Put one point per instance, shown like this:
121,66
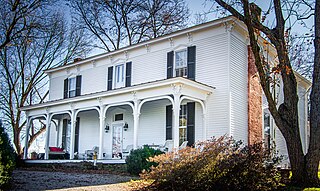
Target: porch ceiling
140,91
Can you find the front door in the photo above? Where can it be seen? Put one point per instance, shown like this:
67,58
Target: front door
117,141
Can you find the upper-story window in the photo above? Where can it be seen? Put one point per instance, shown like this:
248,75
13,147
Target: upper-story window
119,76
72,87
181,63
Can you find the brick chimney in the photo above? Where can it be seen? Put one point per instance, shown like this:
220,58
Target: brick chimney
77,59
255,120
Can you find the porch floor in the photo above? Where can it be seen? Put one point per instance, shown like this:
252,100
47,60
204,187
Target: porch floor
103,161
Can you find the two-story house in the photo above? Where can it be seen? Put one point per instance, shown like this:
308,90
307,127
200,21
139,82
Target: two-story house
189,85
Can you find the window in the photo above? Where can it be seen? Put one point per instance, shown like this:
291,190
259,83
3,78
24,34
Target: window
183,124
119,76
118,117
72,87
266,127
181,63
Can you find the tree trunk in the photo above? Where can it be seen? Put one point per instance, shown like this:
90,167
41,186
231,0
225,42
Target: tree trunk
313,156
17,142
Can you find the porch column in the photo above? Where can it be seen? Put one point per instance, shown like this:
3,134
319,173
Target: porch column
204,118
48,124
136,116
73,126
102,125
176,113
58,132
25,153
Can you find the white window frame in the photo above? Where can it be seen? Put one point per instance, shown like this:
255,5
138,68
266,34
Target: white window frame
183,108
183,68
119,84
70,88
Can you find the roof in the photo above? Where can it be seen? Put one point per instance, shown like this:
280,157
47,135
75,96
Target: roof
144,43
137,87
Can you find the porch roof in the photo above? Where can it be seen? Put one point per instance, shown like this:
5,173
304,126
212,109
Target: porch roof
193,87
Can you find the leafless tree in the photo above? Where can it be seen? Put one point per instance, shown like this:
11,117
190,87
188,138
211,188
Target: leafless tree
22,63
118,23
15,17
304,167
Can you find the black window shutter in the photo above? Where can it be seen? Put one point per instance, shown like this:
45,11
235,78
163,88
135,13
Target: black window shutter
65,88
190,123
170,64
169,122
191,62
76,136
128,73
78,85
64,133
110,73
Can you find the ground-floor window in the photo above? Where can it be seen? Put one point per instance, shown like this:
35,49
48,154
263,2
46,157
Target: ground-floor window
66,135
183,124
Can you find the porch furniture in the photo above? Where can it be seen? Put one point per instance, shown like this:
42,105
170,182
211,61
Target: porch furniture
127,150
183,145
167,147
57,153
153,146
89,153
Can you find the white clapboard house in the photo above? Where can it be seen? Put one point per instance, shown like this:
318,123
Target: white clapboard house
189,85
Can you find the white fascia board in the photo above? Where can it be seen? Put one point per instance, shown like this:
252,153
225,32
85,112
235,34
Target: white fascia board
142,44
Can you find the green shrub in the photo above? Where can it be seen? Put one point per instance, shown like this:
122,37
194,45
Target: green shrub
137,160
7,158
218,164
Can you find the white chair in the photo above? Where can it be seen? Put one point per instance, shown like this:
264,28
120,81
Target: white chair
127,150
183,145
90,153
167,147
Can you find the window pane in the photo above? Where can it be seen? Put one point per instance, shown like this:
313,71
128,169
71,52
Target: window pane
118,117
72,87
72,84
120,73
72,93
181,59
182,135
267,135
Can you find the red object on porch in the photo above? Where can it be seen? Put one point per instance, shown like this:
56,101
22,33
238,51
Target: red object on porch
55,149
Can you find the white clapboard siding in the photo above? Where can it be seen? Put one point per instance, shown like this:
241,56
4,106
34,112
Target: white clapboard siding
198,123
239,89
211,69
302,104
88,130
152,128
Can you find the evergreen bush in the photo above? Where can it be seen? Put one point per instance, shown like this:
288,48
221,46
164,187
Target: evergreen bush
7,158
137,161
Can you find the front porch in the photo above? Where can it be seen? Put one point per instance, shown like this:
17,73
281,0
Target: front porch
131,117
104,161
